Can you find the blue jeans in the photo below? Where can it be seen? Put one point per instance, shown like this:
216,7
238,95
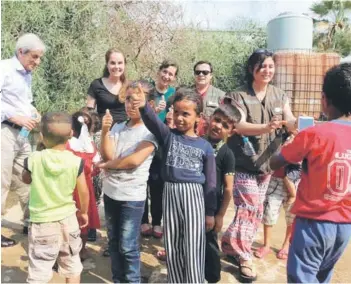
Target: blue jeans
123,228
316,247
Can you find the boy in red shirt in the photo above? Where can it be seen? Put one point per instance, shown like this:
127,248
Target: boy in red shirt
323,203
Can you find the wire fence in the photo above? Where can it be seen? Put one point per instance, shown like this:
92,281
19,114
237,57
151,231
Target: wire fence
300,74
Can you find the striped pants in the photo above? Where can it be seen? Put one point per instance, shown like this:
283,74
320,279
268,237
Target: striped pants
184,232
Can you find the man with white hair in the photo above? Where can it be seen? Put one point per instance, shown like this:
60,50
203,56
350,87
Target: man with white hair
17,111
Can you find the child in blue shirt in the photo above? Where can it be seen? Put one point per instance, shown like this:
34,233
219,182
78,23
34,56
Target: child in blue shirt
190,193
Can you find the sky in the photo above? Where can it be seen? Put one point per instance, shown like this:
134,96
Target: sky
219,14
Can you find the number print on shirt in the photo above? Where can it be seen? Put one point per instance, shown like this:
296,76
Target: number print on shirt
338,179
185,157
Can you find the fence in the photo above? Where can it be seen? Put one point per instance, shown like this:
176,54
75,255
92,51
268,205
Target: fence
300,74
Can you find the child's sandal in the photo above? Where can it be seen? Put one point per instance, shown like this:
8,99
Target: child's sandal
245,269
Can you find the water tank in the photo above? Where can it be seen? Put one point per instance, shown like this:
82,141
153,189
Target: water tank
290,31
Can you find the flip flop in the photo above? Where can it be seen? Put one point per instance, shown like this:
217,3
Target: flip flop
262,252
244,277
282,254
161,255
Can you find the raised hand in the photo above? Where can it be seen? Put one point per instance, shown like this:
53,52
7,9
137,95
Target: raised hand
161,106
107,121
139,99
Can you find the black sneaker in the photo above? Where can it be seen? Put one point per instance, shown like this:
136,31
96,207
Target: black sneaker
7,242
25,230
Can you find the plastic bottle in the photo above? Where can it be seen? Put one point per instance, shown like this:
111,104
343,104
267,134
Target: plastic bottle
248,148
24,133
162,99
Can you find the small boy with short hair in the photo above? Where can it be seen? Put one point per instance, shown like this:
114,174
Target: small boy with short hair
322,226
53,174
281,193
221,126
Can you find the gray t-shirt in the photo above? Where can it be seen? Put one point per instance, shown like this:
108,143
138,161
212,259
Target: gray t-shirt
128,185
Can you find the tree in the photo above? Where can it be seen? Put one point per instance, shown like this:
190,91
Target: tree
78,33
334,14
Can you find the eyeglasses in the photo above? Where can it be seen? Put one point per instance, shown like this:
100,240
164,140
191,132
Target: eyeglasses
263,51
199,72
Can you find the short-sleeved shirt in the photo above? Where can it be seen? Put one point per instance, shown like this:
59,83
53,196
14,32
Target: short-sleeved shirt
129,185
106,100
325,189
170,91
225,165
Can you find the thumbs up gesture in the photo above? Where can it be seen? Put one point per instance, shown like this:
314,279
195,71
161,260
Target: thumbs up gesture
138,98
107,121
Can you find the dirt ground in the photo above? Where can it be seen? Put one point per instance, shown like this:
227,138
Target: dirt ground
14,261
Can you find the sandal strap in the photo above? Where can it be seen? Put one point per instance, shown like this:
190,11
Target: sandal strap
245,266
245,275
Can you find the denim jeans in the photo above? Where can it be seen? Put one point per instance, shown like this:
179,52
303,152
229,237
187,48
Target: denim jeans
123,228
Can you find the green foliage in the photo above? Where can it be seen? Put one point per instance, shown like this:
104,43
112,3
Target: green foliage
343,42
334,14
77,35
73,58
335,8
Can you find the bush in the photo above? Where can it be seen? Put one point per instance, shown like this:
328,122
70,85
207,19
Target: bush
77,35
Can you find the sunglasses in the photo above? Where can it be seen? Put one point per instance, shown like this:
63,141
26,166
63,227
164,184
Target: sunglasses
199,72
263,51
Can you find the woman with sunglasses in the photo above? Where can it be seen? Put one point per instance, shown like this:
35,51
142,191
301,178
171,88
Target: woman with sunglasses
264,109
211,96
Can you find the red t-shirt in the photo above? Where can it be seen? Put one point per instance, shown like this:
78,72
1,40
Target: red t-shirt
325,189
